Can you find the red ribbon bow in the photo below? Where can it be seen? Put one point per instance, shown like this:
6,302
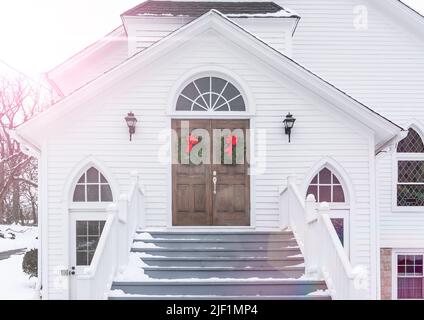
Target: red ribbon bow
191,142
230,141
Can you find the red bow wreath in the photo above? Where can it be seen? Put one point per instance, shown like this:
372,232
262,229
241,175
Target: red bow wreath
231,141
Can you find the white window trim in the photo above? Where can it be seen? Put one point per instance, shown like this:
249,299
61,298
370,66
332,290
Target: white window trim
395,179
395,254
342,210
345,215
333,205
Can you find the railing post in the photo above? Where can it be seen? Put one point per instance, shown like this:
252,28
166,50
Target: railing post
311,208
123,246
291,181
312,249
284,208
141,209
322,209
139,214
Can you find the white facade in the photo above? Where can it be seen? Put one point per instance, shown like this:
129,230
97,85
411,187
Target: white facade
382,66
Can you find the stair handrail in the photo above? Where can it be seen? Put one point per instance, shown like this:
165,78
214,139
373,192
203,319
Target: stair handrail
112,253
323,252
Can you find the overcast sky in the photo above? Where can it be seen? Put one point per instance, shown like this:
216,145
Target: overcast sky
36,35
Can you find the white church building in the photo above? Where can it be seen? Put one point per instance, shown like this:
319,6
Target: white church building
236,150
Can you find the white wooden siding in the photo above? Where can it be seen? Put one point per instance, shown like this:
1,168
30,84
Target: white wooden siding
144,31
98,129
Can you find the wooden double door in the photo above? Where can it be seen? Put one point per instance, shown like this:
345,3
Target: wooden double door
214,192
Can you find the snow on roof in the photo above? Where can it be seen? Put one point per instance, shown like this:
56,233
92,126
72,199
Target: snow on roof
198,8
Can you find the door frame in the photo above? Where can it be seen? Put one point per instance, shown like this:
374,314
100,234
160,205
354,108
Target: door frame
78,215
252,127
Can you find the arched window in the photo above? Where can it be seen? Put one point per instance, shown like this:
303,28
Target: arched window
325,186
412,143
92,186
410,171
210,94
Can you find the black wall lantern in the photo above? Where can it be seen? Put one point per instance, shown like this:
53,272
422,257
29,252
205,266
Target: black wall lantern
289,124
131,122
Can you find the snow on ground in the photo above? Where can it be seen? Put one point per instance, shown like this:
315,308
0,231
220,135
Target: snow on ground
25,237
319,293
14,283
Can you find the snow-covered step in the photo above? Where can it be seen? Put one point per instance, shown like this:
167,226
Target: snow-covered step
223,272
218,244
204,261
221,287
215,235
211,265
218,252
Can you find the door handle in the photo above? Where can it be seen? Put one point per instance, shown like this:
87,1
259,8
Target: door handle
67,272
214,180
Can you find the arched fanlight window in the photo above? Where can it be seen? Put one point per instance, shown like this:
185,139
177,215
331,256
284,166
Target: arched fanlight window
210,94
325,186
92,186
410,166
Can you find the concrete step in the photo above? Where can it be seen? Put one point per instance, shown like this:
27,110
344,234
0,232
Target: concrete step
224,288
204,261
218,252
219,244
194,298
223,272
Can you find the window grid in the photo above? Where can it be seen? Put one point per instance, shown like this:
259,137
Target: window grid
92,191
320,183
210,94
410,277
87,238
410,171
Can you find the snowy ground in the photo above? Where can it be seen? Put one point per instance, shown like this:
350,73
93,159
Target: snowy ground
14,283
25,237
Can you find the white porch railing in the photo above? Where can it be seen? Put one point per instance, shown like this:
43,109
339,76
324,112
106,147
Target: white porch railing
323,252
113,249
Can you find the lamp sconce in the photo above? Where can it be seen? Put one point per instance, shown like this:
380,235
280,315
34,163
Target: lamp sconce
131,122
289,124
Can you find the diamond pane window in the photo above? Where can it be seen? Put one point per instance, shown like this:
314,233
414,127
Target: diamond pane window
210,94
325,186
411,144
411,171
410,184
92,187
410,195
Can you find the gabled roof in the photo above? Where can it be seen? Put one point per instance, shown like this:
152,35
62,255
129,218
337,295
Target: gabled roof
198,8
411,9
384,130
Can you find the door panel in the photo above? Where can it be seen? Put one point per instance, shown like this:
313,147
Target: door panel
191,205
195,202
231,204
